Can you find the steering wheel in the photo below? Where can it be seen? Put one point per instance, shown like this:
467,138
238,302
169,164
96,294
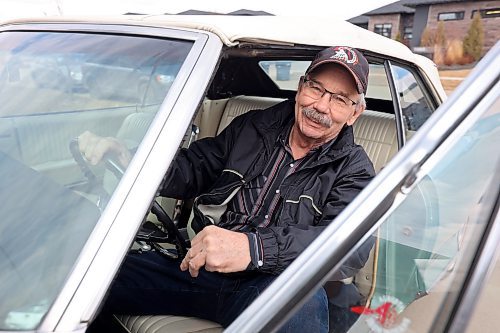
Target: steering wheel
147,233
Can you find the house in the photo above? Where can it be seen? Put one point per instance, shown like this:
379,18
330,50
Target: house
406,20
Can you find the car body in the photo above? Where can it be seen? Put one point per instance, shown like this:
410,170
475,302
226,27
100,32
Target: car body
159,82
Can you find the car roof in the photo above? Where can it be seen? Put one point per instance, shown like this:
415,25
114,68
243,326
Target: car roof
233,30
263,29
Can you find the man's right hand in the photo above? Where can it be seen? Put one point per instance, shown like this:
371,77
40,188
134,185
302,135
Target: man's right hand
94,147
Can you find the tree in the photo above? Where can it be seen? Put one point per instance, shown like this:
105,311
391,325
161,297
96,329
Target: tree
474,40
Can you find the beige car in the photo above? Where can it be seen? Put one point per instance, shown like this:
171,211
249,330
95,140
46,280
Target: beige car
66,225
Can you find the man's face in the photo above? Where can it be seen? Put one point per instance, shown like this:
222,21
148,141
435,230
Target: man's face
320,120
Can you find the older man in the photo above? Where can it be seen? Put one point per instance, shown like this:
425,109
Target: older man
278,177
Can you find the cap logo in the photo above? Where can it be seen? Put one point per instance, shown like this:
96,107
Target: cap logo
345,54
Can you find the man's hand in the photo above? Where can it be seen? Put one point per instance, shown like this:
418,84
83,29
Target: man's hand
94,147
219,250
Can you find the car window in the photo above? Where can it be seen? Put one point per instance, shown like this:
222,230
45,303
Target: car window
285,73
54,86
378,85
426,244
416,109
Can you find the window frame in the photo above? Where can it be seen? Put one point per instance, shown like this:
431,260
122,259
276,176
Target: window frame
408,31
79,299
385,29
459,15
484,13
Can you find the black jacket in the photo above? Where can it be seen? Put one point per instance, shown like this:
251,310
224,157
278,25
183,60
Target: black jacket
213,168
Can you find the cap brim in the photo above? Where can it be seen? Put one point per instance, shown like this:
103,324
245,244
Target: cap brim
359,86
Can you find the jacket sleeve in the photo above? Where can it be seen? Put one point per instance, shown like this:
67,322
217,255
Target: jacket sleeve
282,244
196,168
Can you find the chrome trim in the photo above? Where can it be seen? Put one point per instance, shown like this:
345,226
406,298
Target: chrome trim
309,270
109,242
396,101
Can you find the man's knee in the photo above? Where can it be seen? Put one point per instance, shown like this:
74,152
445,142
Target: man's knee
312,316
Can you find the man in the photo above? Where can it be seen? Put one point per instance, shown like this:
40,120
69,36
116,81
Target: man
264,189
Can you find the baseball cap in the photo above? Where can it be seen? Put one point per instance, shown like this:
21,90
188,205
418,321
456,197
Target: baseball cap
350,58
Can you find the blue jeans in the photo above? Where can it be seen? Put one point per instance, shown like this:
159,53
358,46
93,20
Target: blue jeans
150,284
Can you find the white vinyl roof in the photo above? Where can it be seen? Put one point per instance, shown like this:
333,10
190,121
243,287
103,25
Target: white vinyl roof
232,30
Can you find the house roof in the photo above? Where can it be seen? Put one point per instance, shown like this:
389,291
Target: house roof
402,7
247,12
240,12
197,12
415,3
398,7
361,19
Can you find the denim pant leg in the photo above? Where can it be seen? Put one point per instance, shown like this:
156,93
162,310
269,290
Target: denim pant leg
312,317
150,284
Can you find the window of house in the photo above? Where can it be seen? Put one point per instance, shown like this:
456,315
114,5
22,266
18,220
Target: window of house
487,13
383,29
408,33
451,16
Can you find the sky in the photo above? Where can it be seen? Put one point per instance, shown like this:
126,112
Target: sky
322,8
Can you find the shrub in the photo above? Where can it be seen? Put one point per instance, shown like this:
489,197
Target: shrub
454,53
398,37
474,40
438,56
440,39
428,38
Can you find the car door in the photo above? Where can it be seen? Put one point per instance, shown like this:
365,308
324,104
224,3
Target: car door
434,213
66,225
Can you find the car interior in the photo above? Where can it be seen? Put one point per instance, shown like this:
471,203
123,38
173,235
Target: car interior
246,81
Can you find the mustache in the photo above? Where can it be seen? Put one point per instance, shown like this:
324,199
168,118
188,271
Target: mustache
319,117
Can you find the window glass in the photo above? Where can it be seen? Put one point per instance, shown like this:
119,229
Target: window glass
415,107
487,13
378,85
286,74
383,29
53,87
426,244
451,16
408,33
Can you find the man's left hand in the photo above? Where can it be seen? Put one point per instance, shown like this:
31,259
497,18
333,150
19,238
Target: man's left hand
219,250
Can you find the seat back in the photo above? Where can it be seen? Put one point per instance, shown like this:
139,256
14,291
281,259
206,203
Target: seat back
375,131
239,105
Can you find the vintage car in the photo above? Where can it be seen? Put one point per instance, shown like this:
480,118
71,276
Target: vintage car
66,226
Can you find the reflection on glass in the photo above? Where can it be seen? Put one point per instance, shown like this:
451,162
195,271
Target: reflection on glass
427,243
414,105
53,87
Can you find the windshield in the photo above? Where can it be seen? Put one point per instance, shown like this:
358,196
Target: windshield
53,87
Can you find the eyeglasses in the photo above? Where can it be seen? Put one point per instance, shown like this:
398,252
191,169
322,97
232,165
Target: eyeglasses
315,90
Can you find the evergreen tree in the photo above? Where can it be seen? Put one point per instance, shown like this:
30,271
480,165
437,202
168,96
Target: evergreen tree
474,40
